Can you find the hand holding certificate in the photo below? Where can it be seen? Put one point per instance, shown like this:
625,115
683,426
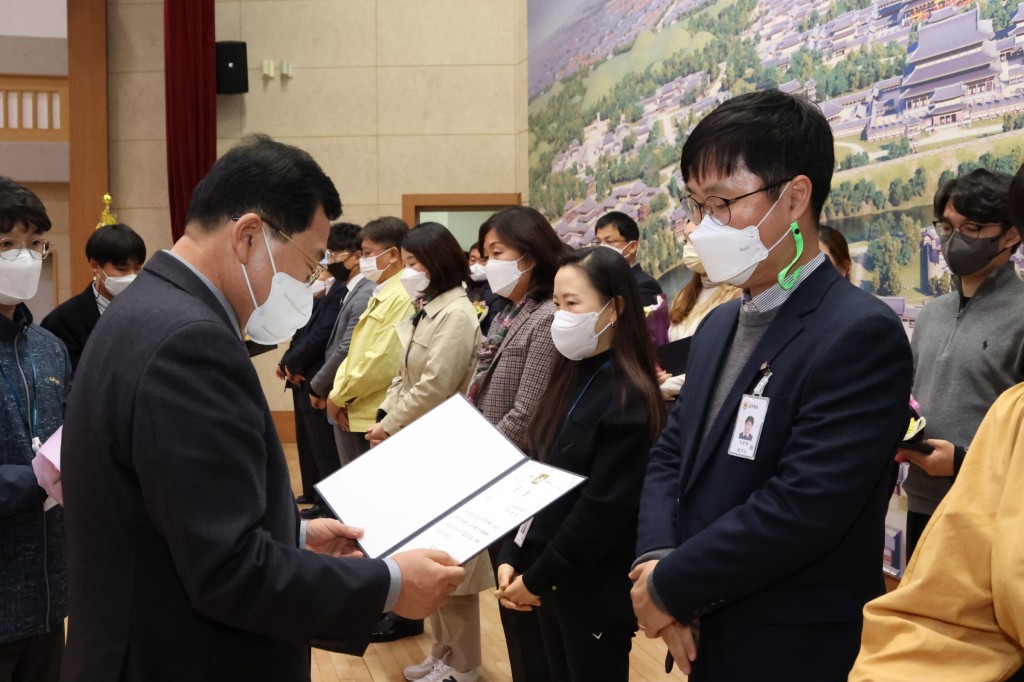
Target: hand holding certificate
456,493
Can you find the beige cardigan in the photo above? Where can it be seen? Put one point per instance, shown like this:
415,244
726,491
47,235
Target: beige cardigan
958,613
436,361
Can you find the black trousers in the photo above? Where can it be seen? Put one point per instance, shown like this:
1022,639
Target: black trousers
523,638
33,659
916,523
318,453
588,627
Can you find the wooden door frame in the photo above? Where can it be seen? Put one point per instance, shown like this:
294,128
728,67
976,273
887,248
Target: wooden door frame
412,204
89,176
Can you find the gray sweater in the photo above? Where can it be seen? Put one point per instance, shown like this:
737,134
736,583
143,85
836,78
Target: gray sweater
963,361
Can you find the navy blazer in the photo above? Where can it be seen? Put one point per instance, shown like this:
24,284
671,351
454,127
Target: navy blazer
305,355
777,556
182,529
649,288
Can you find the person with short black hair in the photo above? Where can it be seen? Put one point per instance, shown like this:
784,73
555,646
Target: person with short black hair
314,436
959,611
971,337
191,561
344,265
116,254
770,546
34,376
619,232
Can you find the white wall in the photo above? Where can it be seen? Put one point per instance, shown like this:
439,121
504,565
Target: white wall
34,18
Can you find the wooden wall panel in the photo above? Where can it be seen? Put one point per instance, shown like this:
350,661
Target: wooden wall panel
87,109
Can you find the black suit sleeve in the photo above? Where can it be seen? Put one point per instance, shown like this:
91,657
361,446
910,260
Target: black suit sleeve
308,350
200,454
658,502
852,415
649,291
58,324
19,490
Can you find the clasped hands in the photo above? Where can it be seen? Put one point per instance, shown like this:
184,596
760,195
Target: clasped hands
655,623
512,592
429,576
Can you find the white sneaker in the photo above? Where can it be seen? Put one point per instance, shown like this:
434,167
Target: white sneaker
422,669
445,673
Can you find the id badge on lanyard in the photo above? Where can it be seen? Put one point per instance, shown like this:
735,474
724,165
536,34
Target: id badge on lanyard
750,418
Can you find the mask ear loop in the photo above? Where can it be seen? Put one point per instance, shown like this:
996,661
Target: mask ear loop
787,279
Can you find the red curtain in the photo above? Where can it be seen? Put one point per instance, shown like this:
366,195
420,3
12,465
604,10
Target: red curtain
190,83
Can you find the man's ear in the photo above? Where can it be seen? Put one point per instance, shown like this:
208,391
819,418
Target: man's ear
244,235
798,196
1011,238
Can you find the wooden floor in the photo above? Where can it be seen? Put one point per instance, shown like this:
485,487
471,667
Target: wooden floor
385,661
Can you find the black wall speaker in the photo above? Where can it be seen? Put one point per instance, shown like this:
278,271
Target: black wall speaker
232,68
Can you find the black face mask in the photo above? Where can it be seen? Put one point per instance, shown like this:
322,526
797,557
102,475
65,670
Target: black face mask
966,257
338,271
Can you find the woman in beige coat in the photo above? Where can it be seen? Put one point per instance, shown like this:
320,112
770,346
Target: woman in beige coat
438,358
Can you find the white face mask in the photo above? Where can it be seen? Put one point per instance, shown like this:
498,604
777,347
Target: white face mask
575,335
728,254
287,308
415,282
477,273
503,275
117,285
19,278
616,249
368,266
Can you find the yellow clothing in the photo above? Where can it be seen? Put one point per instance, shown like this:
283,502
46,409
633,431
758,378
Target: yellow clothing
366,372
958,614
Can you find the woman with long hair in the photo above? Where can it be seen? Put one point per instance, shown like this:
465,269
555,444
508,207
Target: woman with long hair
437,360
599,417
689,307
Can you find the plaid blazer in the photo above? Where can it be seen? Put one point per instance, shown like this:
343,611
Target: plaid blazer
520,371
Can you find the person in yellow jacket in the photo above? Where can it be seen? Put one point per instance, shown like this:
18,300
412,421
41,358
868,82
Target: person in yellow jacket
958,613
362,381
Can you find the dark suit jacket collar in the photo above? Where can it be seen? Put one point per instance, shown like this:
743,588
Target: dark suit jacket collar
167,267
786,326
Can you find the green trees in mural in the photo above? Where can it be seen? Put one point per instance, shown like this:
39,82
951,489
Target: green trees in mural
855,161
884,258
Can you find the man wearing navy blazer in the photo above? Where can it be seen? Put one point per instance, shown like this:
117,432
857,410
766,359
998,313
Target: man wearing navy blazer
757,556
187,558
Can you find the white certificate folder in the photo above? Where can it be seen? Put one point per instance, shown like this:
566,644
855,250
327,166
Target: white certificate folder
447,481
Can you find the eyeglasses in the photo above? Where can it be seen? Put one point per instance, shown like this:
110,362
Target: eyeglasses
968,230
717,208
316,268
342,256
37,249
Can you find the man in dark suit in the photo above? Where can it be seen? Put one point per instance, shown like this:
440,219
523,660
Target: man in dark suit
116,254
188,558
771,547
318,454
618,231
